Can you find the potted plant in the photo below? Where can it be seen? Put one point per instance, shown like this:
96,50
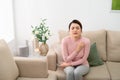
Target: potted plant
42,34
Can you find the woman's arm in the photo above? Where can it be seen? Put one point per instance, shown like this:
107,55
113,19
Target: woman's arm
86,53
69,57
64,50
76,51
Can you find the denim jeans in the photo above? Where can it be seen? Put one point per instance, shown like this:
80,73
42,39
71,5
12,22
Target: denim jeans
76,73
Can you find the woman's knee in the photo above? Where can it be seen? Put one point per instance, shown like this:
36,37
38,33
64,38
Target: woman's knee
81,70
69,70
76,73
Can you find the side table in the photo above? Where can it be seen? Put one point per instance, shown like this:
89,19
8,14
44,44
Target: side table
36,55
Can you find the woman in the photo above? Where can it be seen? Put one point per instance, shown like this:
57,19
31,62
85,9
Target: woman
75,51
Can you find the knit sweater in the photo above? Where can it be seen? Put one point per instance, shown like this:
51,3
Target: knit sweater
69,53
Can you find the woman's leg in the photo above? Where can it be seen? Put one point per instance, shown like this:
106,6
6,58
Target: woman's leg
80,71
69,73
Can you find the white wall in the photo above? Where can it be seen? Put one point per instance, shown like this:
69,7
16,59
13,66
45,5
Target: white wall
94,14
6,20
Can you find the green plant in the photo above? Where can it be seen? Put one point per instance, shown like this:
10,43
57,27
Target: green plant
41,32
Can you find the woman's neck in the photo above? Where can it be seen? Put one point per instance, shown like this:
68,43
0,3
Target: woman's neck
75,38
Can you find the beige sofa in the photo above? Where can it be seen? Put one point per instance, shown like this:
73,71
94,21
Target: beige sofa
19,68
108,46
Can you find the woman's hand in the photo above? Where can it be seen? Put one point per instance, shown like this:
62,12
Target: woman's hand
80,46
65,64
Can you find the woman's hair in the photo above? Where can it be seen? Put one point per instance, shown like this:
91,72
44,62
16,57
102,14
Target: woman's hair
77,22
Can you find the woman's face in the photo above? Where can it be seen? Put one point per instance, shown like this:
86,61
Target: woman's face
75,30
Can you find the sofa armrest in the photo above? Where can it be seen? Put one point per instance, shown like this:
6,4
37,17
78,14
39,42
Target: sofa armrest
52,60
32,67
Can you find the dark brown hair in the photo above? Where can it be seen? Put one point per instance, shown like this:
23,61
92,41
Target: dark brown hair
77,22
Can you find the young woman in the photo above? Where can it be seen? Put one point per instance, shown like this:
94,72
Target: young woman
75,51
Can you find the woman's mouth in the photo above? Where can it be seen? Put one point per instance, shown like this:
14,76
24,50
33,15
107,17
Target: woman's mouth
74,33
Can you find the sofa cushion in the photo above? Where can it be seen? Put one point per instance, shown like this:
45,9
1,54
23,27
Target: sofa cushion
93,58
114,70
62,34
98,36
8,67
98,73
113,45
95,73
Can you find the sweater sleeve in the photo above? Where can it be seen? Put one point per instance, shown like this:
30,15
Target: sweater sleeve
86,53
66,56
64,50
71,56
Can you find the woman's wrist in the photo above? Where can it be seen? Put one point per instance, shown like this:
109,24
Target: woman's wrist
80,46
78,49
70,64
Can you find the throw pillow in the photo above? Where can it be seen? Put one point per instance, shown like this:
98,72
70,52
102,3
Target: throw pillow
94,58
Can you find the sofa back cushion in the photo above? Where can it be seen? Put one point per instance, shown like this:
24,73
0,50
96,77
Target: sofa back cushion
113,45
8,67
98,37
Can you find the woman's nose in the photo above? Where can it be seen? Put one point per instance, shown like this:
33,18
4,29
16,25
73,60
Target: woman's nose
75,29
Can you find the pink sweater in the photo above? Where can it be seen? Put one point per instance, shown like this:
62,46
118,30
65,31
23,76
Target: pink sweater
70,55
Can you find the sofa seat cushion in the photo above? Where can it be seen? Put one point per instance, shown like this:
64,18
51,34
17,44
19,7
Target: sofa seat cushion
98,73
114,70
8,67
51,76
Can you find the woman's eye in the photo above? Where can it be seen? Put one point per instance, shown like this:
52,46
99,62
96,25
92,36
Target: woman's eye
72,28
77,28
